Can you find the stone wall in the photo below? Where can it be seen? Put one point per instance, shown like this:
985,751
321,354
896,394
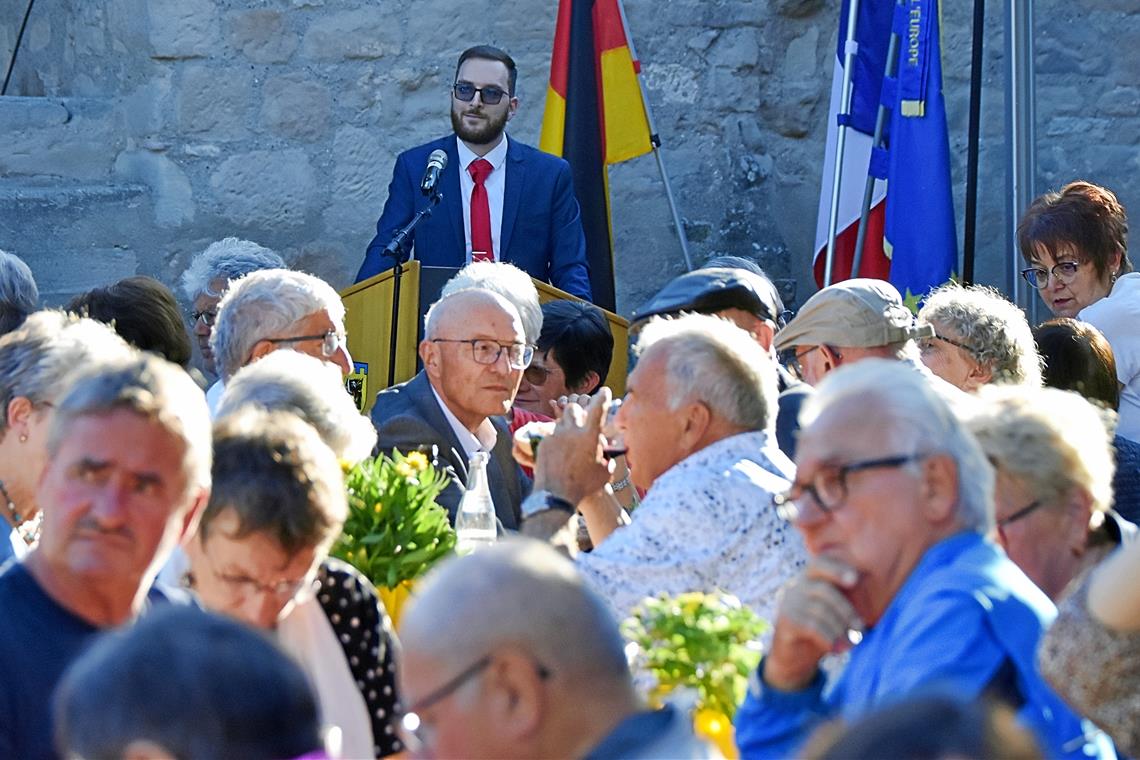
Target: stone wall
149,128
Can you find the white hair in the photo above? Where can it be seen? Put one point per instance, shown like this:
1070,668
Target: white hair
19,295
39,358
508,281
439,310
151,387
262,305
309,388
1047,439
712,360
227,259
996,331
916,415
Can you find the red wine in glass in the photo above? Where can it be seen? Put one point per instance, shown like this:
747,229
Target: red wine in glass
609,451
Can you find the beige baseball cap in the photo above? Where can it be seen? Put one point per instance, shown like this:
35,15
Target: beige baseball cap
860,313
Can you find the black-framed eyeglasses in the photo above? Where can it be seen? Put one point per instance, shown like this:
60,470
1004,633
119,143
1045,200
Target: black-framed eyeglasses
331,341
1025,511
794,359
485,351
490,95
925,344
1064,271
828,486
537,375
208,316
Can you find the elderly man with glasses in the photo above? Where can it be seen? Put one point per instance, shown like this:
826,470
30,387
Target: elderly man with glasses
474,352
894,516
500,200
272,309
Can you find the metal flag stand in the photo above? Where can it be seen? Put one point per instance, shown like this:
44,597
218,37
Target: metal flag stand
850,49
655,141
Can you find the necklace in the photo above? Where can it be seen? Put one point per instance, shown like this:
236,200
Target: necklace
28,530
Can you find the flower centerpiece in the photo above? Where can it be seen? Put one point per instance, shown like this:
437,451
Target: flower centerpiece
705,643
395,530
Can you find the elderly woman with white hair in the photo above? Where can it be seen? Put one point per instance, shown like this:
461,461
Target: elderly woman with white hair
979,338
309,388
19,295
37,361
208,277
1053,457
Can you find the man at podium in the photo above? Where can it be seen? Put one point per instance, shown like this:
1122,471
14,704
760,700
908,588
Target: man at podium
501,200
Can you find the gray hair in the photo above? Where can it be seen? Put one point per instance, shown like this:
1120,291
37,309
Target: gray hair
996,331
262,305
1047,439
150,387
439,310
712,360
39,358
508,281
474,600
19,295
918,415
311,389
228,259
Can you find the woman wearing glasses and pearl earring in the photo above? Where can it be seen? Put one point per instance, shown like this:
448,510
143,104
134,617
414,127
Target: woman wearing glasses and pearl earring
36,362
1075,244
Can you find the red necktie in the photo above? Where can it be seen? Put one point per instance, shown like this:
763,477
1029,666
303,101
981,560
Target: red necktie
481,246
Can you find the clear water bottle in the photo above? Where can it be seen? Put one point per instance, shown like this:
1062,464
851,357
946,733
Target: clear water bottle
475,522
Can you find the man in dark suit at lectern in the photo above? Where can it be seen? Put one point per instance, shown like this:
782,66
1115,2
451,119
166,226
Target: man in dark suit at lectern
501,200
474,352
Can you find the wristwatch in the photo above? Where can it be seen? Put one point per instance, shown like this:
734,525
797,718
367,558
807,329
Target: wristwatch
541,501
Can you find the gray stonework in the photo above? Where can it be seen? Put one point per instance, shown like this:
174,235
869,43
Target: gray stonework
146,129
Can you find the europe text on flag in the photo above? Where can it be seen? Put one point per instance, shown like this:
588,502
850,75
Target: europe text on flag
910,237
594,116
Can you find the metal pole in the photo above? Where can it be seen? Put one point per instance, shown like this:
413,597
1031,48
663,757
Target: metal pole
970,230
877,141
1021,137
850,48
655,141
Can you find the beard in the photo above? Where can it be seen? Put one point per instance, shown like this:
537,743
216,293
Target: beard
490,131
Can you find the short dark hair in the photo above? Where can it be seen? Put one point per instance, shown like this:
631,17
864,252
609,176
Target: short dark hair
1085,217
196,684
278,477
491,53
579,338
143,311
1078,358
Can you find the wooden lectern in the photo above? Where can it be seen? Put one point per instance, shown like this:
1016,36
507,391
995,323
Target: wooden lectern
368,320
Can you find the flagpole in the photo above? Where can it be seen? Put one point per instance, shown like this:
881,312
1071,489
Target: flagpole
850,48
655,141
876,142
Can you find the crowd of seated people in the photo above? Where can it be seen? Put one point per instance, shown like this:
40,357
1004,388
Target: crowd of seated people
933,511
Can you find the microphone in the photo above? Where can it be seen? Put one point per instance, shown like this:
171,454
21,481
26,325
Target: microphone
436,163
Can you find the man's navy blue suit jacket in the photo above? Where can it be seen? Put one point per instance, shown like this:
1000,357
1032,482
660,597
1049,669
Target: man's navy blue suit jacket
542,228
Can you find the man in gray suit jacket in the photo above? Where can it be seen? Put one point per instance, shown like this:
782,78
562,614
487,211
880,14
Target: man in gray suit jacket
474,352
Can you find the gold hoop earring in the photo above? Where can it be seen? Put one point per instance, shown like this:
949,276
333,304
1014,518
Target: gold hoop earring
23,438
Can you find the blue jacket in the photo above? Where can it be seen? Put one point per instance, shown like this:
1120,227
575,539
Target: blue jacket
542,227
965,619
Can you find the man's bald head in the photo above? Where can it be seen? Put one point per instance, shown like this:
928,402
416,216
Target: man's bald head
518,593
457,309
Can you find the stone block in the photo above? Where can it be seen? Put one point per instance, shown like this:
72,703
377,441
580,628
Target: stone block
262,35
171,192
266,189
672,82
182,28
295,106
365,33
735,49
797,8
71,138
214,100
361,167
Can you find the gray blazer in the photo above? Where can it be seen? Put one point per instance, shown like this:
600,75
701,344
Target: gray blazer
407,416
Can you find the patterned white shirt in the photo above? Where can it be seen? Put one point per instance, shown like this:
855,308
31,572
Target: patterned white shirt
706,524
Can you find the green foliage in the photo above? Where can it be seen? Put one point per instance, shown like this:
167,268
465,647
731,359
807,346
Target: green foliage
705,642
395,529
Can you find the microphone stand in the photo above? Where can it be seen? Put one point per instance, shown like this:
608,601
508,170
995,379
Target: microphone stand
398,250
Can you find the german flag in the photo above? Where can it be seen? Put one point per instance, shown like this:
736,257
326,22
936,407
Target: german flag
594,116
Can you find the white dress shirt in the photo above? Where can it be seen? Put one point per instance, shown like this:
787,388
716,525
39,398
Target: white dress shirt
484,437
706,524
496,184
